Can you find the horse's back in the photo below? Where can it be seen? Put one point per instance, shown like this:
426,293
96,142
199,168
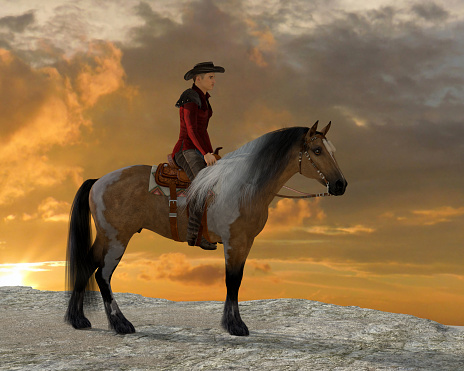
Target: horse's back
115,197
122,183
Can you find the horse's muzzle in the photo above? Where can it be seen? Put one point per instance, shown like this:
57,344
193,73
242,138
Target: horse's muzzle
338,188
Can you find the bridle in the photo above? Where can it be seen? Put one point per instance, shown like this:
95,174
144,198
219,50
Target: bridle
307,195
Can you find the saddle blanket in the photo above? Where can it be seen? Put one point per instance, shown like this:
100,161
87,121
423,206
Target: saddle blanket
156,189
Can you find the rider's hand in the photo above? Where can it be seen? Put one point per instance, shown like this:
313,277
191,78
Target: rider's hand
210,159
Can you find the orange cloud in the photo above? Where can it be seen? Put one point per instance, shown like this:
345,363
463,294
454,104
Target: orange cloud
260,118
49,210
266,43
9,218
427,216
45,107
333,231
176,267
144,277
292,215
104,78
259,266
289,214
256,56
52,210
438,215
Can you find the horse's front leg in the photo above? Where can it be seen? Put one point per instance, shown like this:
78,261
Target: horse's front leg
235,262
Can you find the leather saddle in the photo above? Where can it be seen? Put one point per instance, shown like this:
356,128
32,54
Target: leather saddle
168,174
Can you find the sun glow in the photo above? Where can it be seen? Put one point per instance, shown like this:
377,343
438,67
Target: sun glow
11,277
30,274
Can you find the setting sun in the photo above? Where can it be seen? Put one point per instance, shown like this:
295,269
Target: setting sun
38,275
11,277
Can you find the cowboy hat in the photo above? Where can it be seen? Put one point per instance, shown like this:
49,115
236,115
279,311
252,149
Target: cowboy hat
203,67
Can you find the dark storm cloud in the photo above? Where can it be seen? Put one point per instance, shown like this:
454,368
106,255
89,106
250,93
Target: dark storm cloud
155,23
12,25
176,267
375,66
17,23
430,11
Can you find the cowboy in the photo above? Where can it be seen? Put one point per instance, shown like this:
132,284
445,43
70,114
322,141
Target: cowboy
193,150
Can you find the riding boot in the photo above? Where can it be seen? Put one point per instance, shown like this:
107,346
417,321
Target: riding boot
193,229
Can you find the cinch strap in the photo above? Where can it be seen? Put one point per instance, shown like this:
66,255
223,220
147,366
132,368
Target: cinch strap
173,211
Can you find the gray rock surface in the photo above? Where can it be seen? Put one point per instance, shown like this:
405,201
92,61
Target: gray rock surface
285,334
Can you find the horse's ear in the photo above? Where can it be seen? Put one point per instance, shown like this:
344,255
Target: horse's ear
313,129
326,129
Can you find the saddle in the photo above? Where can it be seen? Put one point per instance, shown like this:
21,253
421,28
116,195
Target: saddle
173,176
168,174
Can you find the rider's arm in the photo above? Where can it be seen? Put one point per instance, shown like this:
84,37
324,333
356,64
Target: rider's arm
208,143
190,118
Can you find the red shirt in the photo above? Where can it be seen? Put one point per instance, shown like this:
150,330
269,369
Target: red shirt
194,124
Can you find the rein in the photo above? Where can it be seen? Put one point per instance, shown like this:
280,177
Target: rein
308,195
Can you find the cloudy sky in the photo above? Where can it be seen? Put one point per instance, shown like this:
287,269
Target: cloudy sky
87,87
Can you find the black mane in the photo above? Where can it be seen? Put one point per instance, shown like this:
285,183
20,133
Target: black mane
247,171
274,154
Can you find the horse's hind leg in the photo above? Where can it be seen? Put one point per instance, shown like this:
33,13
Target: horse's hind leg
235,262
116,319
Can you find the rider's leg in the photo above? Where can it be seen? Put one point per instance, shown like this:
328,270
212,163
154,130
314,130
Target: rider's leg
192,162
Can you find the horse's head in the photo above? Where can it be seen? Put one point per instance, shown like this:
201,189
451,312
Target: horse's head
318,161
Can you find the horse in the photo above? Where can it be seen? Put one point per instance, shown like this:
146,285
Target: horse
239,189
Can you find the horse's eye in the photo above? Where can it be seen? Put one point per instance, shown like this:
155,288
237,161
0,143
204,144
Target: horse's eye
317,151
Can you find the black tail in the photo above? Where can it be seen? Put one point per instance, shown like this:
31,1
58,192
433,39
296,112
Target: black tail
80,240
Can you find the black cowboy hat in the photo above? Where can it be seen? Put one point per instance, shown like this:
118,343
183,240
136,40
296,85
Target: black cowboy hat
203,67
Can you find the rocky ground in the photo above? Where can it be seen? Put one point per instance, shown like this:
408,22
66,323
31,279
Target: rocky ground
285,334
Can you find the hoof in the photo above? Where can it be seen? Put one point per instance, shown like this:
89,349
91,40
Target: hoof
122,326
124,330
80,323
236,328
